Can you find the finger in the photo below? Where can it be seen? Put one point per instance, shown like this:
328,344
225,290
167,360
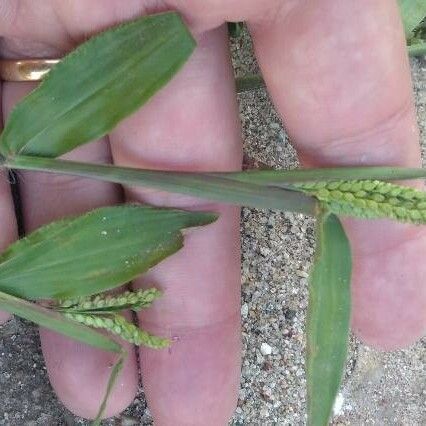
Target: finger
78,373
339,74
7,217
192,124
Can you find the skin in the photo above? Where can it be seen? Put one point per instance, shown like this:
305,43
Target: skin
339,76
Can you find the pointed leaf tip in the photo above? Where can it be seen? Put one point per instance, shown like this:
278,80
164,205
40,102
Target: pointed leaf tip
97,85
98,251
328,320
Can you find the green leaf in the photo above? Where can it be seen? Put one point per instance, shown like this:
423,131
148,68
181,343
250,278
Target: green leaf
212,186
412,13
417,48
97,85
274,189
57,322
118,366
94,252
286,178
328,319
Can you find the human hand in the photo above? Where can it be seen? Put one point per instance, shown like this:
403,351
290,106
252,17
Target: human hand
338,74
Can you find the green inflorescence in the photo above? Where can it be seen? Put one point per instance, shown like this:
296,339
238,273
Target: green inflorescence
100,311
134,300
369,199
118,325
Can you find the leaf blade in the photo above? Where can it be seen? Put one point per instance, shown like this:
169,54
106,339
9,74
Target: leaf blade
101,82
274,189
212,186
116,370
57,322
94,252
285,178
412,13
328,320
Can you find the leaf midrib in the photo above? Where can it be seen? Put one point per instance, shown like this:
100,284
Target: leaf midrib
89,96
76,258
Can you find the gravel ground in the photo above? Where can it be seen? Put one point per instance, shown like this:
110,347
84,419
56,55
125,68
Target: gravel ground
277,248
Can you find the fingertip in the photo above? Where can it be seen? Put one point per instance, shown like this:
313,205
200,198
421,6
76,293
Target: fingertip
388,292
79,375
380,341
391,330
8,223
196,380
4,317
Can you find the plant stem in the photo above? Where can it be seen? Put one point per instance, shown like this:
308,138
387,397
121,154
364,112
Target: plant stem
210,186
249,82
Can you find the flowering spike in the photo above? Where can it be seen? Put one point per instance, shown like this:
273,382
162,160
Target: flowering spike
135,300
118,325
369,199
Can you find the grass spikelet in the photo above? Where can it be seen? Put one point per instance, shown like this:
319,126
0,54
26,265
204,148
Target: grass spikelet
118,325
370,199
134,300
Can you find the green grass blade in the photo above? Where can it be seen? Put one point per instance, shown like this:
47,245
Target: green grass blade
285,178
275,189
217,187
118,366
417,48
412,13
97,85
57,322
94,252
328,318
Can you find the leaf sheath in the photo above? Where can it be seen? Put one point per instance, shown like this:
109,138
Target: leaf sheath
212,186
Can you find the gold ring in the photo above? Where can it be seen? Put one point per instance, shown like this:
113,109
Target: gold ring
25,69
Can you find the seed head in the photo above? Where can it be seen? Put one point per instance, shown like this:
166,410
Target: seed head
370,199
135,300
118,325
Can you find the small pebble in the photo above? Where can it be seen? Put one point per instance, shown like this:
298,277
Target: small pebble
338,405
128,421
302,274
265,349
264,251
264,412
244,310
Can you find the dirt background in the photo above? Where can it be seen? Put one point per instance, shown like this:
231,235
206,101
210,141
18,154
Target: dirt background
277,249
